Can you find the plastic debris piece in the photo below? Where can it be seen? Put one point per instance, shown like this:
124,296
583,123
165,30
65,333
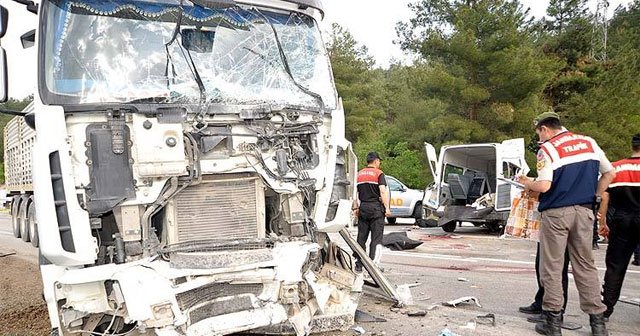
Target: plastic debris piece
463,279
359,330
366,317
447,332
464,299
404,294
471,325
489,319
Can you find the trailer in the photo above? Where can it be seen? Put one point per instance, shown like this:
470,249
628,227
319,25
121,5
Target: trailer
18,143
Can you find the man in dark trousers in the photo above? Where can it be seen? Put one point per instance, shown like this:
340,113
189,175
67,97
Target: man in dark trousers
623,228
372,206
573,172
636,257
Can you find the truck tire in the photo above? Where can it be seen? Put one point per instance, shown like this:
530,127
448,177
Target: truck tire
24,219
450,227
391,220
33,224
15,222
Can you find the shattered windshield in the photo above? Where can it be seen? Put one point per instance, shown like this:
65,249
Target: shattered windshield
172,51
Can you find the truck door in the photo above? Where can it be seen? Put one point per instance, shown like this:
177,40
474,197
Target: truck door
510,162
432,193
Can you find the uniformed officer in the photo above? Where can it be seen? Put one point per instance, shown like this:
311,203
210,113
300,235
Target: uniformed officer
623,228
568,169
372,206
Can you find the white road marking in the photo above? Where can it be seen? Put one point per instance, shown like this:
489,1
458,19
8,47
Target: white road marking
472,259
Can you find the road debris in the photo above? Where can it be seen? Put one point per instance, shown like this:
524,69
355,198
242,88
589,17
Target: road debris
359,330
366,317
399,241
7,254
471,325
404,295
489,319
464,299
417,313
447,332
463,279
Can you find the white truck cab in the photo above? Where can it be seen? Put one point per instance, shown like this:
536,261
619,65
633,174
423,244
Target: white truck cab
469,183
189,162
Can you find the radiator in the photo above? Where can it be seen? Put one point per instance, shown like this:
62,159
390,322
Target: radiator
222,207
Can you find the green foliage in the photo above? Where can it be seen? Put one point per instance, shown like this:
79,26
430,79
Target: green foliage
483,72
398,160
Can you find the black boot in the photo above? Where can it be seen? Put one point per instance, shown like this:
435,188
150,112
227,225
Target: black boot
542,317
552,326
533,308
598,328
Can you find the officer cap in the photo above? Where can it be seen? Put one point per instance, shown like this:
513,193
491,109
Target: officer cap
546,115
372,156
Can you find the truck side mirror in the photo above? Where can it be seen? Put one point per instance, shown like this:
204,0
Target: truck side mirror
28,39
3,77
4,19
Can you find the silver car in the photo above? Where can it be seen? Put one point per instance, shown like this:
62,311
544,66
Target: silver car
405,202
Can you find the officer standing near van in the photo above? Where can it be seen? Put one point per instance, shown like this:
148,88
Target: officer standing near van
623,229
568,167
372,206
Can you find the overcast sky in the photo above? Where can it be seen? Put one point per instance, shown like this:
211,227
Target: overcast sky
372,22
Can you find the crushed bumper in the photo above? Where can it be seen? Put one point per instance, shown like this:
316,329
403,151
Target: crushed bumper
283,289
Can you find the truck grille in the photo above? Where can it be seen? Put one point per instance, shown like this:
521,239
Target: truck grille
221,208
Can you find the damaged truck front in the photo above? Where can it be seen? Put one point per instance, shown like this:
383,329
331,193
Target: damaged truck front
190,160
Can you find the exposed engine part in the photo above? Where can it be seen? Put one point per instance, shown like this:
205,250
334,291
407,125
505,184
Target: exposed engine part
109,161
282,159
128,220
220,207
170,189
119,249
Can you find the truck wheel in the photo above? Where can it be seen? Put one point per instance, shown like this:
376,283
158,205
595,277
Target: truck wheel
391,220
15,222
449,227
33,224
24,219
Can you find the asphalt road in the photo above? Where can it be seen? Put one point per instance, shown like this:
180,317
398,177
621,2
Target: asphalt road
470,262
9,244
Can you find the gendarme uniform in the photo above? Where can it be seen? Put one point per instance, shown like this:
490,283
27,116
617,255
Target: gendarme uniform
572,163
371,217
624,225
